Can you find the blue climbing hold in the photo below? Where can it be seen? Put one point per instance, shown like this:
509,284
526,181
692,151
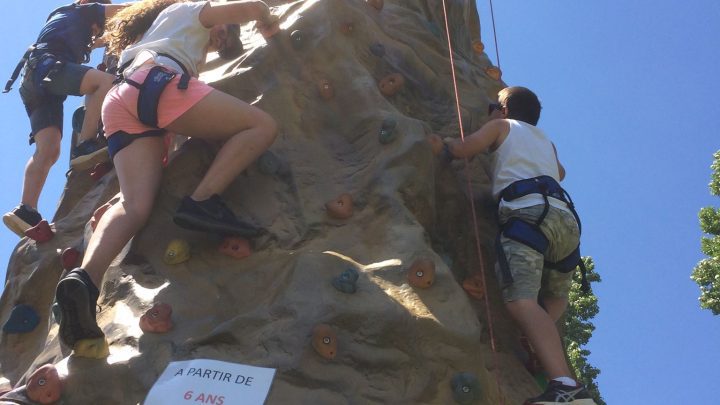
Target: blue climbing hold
377,49
268,163
23,319
347,281
387,131
466,388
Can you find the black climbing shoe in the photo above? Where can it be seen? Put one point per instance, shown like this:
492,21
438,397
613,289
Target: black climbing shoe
21,218
88,154
213,216
558,393
77,297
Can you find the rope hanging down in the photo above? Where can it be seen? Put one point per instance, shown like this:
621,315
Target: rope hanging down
488,313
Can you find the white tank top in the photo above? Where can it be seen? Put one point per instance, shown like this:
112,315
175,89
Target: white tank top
525,153
176,31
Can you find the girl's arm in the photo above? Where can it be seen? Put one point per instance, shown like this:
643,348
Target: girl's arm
236,12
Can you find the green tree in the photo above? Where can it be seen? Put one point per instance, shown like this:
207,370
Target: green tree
707,272
582,309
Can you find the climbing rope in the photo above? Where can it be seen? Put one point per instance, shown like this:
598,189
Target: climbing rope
497,50
488,313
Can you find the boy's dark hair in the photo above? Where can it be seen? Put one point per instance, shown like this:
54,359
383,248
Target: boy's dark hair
520,104
234,46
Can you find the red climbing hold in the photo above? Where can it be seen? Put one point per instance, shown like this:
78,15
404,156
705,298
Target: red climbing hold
376,4
341,207
236,247
44,385
41,232
157,319
391,84
347,28
473,286
69,258
326,89
324,341
421,273
100,170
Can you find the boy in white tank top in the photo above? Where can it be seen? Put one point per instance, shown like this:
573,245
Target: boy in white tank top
523,152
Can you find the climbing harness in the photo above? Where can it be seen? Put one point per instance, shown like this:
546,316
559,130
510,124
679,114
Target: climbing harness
530,233
152,87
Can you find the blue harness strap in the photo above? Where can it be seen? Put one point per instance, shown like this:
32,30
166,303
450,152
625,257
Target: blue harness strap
530,234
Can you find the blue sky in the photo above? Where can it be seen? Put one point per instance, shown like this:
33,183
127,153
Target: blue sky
630,94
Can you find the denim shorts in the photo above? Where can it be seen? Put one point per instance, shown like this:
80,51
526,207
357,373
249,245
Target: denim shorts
45,87
527,266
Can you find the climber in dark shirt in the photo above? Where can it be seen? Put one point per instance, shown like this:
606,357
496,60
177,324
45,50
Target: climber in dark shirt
53,70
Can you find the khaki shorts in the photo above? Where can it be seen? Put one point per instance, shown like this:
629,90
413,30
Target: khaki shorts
527,266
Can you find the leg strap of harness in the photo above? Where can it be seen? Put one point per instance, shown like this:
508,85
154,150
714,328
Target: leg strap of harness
121,139
505,273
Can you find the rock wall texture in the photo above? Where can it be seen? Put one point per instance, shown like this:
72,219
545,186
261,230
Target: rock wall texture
356,87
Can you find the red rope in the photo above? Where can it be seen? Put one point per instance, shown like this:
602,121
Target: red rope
488,313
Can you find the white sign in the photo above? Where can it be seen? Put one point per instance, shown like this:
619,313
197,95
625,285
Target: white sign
214,382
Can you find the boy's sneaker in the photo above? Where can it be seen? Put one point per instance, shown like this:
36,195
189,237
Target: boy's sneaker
77,297
211,215
558,393
21,218
88,154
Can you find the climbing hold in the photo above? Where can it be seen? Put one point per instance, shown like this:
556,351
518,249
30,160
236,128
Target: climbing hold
69,258
347,28
157,319
387,131
236,247
473,286
466,388
478,46
23,319
326,89
44,385
96,348
421,273
391,84
341,207
177,251
376,4
493,72
41,232
296,38
100,170
98,214
347,281
324,341
268,163
377,49
77,119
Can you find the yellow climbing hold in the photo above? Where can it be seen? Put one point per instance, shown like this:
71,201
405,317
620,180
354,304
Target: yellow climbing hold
494,72
92,348
177,251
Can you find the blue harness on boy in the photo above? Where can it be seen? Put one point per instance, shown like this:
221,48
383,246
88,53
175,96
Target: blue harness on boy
530,233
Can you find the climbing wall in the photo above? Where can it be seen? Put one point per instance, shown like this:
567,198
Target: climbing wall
355,292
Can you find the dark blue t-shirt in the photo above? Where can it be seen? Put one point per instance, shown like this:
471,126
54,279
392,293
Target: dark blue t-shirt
68,32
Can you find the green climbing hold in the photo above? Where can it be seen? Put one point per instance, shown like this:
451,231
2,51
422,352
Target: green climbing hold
347,281
466,388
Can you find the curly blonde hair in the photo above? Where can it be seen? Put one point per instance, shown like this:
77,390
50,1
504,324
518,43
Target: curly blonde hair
129,24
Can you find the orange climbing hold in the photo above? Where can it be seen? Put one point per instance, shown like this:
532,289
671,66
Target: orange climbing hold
98,214
376,4
41,232
347,28
473,286
324,341
326,89
157,319
478,46
44,385
421,273
341,207
69,258
100,170
494,72
236,247
391,84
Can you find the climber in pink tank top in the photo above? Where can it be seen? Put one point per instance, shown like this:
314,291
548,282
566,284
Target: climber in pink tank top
162,45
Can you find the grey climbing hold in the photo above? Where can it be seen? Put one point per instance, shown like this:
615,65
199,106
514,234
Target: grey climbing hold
296,38
23,319
57,314
466,388
268,163
387,131
347,281
377,49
